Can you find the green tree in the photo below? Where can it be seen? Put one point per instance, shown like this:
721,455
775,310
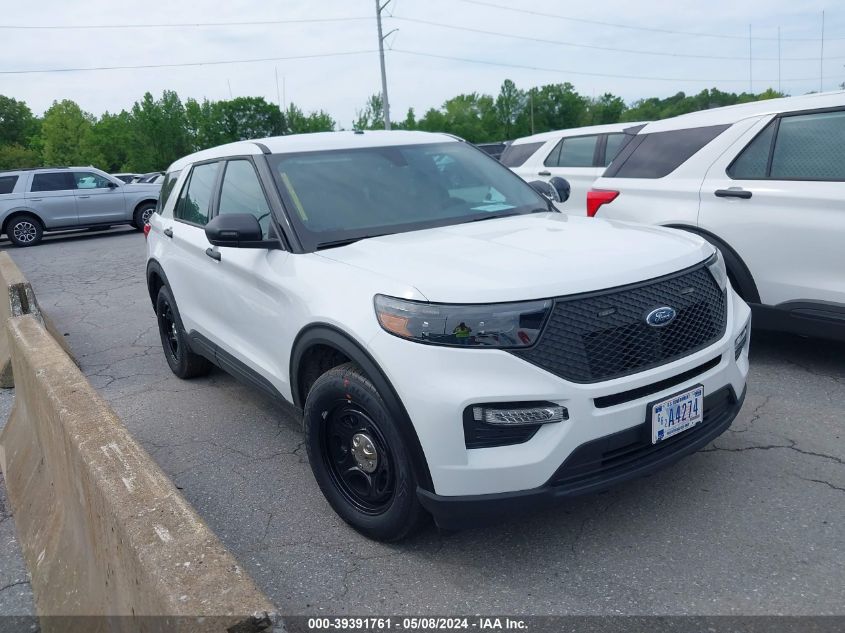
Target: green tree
159,132
510,105
17,123
607,108
249,117
371,117
107,144
17,157
300,123
64,133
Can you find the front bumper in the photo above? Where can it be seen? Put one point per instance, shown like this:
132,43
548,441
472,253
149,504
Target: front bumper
593,467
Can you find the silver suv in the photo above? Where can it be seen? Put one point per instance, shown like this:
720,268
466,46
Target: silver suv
59,198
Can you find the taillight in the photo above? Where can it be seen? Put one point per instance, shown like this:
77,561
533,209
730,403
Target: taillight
147,228
598,197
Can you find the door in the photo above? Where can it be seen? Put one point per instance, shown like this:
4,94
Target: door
192,274
577,159
98,199
51,196
252,325
778,198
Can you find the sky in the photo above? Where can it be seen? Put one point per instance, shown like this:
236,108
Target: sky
325,53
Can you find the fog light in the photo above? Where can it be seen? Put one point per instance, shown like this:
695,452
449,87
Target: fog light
741,339
517,416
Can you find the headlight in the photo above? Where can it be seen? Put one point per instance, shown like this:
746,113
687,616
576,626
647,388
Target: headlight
716,266
502,325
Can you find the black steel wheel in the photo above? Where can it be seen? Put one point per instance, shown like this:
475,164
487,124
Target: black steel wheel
359,457
182,361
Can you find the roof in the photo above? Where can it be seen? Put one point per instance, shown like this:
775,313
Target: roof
577,131
315,142
729,115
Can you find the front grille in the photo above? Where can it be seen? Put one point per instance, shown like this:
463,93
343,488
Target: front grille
604,335
605,457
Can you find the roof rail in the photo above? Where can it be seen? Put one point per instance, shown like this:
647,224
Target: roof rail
3,171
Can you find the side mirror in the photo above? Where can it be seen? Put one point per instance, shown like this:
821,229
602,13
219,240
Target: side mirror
545,189
237,230
561,187
112,185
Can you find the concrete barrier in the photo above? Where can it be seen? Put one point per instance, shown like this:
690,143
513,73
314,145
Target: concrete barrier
104,532
17,299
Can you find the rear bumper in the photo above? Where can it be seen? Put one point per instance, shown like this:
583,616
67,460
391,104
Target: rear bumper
594,466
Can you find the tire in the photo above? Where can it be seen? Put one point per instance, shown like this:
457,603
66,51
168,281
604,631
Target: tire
142,215
25,230
182,361
346,422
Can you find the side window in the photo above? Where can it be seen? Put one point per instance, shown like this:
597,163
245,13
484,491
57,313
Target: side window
516,155
658,154
810,147
575,151
53,181
196,196
7,184
753,162
166,189
615,142
242,193
90,180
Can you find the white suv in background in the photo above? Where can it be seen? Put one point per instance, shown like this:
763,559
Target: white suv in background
765,183
580,155
458,345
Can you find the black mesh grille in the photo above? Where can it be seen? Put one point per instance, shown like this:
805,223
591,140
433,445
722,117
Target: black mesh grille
604,335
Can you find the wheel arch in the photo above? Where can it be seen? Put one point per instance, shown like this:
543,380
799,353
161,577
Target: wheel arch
140,203
738,271
155,280
322,334
19,212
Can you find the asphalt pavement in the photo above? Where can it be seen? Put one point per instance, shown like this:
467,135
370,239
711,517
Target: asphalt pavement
753,524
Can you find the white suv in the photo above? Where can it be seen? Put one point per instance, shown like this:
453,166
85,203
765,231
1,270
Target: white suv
579,155
765,183
458,346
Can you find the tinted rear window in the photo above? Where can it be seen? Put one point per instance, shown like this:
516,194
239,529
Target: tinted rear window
53,181
7,183
516,155
166,189
660,153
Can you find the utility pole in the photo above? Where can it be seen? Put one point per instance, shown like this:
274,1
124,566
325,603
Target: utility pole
381,37
779,90
750,57
278,94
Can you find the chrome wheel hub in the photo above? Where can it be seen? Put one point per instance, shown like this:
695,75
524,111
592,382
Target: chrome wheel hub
364,452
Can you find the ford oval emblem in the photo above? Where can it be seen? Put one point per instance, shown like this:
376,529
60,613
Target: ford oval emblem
660,317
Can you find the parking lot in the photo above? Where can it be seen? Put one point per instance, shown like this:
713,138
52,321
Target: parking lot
753,524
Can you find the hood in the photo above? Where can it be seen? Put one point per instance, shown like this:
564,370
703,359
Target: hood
524,257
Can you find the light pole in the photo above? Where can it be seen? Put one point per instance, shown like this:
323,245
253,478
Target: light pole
381,37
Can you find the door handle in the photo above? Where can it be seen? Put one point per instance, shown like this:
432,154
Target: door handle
733,193
168,232
544,173
215,255
83,196
36,199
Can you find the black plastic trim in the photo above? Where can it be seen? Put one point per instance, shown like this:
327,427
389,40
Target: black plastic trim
460,512
816,319
329,335
640,392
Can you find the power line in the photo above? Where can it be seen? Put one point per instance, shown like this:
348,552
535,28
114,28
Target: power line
637,28
181,25
580,72
600,48
184,64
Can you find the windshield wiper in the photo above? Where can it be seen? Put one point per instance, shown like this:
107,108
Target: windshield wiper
341,242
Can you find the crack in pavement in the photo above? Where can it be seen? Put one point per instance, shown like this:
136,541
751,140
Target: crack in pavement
766,447
17,583
821,481
756,414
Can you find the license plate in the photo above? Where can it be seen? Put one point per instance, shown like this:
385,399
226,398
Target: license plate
676,414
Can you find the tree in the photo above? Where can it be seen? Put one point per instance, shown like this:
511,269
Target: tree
372,115
17,124
607,108
107,144
509,107
17,157
160,132
249,117
300,123
64,133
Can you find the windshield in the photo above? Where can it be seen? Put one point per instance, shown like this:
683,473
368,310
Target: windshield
340,195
